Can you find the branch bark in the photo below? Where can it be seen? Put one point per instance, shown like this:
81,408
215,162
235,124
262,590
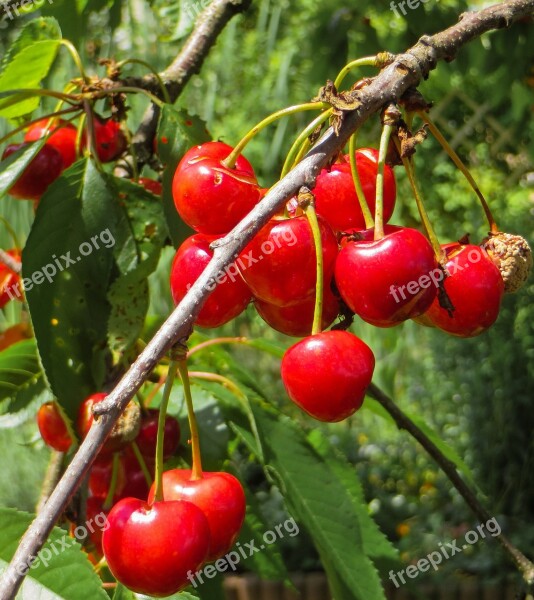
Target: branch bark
407,70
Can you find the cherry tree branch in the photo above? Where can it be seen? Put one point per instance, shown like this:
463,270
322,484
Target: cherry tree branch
407,70
525,566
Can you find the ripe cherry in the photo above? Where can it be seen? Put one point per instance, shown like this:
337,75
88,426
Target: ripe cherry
335,196
100,477
95,513
327,374
45,168
147,436
63,138
9,281
389,280
475,288
279,263
151,548
297,320
210,197
230,297
221,498
53,427
110,141
216,150
151,185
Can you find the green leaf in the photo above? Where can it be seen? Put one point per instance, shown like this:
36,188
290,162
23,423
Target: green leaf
177,132
15,164
319,500
123,593
26,70
61,570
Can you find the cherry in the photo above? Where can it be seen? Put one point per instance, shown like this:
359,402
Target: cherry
45,168
151,548
100,477
389,280
15,333
210,197
95,508
147,436
327,374
151,185
297,320
221,498
230,297
110,141
63,138
279,263
9,281
53,427
336,199
475,288
217,150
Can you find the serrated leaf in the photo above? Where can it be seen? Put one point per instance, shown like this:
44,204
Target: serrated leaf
318,499
26,70
62,573
15,164
177,132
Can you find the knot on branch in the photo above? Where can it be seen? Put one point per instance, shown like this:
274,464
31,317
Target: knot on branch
341,102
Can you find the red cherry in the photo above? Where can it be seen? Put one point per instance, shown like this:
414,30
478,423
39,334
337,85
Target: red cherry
216,150
110,141
63,138
136,485
45,168
211,198
297,320
147,436
475,288
100,477
327,374
151,185
389,280
53,428
228,300
279,263
355,235
336,199
14,334
9,281
221,498
151,548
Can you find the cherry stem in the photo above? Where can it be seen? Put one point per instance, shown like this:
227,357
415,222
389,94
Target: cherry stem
108,502
364,207
33,121
311,215
76,58
296,151
230,161
88,109
138,61
196,471
173,368
429,229
11,232
142,463
130,90
461,165
368,61
379,205
215,342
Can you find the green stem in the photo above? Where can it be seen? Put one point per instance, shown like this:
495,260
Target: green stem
379,205
129,90
76,58
460,164
108,502
138,61
215,342
301,139
11,232
368,61
195,439
173,368
311,215
290,110
91,138
142,463
368,217
33,121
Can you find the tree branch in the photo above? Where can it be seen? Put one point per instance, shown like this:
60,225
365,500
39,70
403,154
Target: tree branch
525,566
407,70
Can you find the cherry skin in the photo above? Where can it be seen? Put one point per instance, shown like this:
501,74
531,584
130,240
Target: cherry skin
335,196
211,198
53,428
10,281
147,436
45,168
297,320
95,509
217,150
110,141
100,477
279,264
230,297
475,288
63,138
151,548
221,498
327,374
389,280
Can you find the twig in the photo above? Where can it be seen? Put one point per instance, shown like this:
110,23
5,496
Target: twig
525,566
406,71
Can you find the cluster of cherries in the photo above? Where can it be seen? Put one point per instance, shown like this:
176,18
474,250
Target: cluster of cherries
384,279
198,519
